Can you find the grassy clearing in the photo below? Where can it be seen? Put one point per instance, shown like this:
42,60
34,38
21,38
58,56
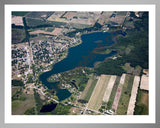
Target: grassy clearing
20,106
125,95
15,105
121,13
142,104
95,101
75,111
132,70
15,89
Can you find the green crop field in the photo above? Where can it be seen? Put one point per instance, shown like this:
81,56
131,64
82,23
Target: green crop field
89,89
125,95
95,101
113,93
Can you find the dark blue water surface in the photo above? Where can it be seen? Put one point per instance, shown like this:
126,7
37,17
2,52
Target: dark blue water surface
77,56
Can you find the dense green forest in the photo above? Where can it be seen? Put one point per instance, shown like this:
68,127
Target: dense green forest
19,13
132,48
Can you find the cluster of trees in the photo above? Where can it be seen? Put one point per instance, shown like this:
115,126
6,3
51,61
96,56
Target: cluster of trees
17,83
111,66
82,101
61,110
30,78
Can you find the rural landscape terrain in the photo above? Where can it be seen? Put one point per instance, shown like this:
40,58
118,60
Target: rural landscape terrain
80,63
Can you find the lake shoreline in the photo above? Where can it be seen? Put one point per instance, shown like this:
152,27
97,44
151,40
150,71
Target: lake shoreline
76,53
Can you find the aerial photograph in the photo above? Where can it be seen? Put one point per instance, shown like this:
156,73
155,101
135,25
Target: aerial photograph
80,63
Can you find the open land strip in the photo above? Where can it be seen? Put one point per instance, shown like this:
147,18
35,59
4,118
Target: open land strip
125,95
17,20
145,81
118,93
56,31
98,93
132,101
114,90
109,88
86,94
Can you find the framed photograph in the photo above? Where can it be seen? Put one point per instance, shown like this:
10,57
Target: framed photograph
80,64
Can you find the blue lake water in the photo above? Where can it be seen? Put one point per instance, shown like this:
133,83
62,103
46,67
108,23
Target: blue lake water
76,57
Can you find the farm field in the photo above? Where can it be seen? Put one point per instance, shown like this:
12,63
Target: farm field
125,95
142,103
39,23
98,93
76,19
55,15
114,89
39,15
132,101
31,22
118,93
56,31
104,17
86,94
17,20
17,35
145,80
109,88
